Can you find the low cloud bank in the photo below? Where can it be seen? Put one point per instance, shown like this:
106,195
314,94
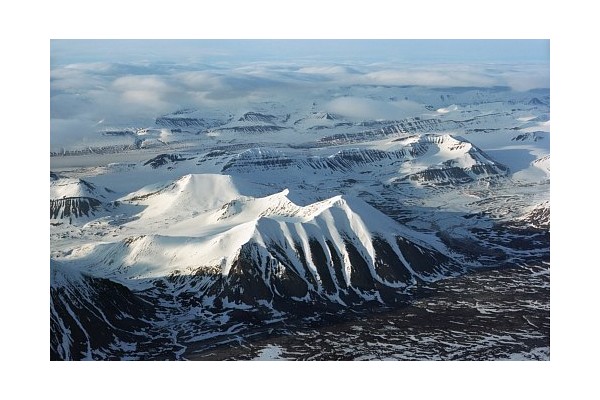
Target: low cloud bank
130,94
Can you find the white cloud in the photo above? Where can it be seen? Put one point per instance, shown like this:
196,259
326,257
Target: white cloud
67,131
435,76
130,94
148,82
149,93
199,80
526,79
327,70
364,108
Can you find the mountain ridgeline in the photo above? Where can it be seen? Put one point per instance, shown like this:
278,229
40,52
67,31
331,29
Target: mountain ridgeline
253,256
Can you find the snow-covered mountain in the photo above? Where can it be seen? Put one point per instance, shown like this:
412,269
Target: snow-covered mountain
68,187
224,251
339,249
211,222
75,198
430,159
88,313
187,119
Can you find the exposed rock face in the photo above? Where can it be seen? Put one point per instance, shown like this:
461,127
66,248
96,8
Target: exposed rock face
290,276
186,118
119,132
463,161
536,102
258,117
182,122
250,129
347,160
393,129
528,136
260,159
537,217
163,159
441,176
74,207
90,318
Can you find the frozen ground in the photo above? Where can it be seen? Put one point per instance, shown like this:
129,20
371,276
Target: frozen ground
501,314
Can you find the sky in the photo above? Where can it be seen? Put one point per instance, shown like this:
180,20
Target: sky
240,51
102,84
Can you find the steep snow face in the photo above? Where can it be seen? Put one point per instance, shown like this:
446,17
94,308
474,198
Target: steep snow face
69,187
543,163
62,275
538,170
190,193
201,224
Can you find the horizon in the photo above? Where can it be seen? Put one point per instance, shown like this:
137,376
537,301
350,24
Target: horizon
419,51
